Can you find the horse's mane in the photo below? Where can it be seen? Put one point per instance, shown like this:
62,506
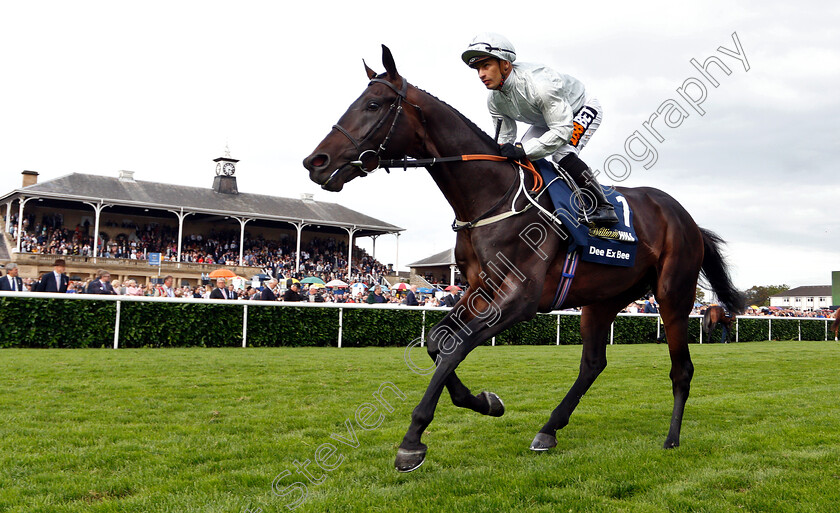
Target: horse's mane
467,121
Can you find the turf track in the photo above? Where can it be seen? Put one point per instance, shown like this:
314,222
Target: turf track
183,430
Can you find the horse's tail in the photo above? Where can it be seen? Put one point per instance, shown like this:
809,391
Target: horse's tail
716,272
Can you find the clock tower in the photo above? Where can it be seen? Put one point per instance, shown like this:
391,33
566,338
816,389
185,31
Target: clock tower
225,182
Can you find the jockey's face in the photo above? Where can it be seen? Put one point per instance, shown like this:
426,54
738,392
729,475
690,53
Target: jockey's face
493,72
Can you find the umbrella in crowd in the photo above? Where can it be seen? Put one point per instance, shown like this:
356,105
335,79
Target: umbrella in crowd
358,288
336,283
222,273
453,288
316,285
399,286
312,279
425,290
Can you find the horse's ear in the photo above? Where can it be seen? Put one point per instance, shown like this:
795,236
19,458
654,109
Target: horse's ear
370,72
388,62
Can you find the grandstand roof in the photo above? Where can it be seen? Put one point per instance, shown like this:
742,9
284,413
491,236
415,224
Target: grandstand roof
446,257
142,194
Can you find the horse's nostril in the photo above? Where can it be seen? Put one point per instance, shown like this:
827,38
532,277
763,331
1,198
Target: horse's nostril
318,161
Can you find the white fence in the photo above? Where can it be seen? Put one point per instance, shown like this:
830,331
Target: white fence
345,306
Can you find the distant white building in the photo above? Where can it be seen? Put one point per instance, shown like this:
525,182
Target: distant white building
808,297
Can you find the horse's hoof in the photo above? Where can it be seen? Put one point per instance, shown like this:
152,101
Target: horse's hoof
408,460
543,442
497,407
671,444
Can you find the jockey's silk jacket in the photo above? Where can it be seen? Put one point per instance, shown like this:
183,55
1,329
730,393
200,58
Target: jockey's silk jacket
541,97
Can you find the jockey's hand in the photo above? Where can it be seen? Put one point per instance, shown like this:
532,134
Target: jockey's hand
513,151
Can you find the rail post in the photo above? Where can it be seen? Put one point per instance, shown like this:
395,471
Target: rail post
117,327
244,324
340,325
423,329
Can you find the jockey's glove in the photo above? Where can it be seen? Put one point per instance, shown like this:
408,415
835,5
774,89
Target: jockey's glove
513,151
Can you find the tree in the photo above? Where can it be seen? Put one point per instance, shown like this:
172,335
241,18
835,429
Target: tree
760,294
699,295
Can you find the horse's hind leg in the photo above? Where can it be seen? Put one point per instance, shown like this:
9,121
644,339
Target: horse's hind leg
675,305
594,329
708,327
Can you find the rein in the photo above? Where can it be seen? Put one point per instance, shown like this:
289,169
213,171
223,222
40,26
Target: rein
484,218
405,163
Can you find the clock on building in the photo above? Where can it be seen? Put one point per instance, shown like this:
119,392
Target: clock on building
226,165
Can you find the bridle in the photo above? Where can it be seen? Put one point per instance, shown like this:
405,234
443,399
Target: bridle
369,160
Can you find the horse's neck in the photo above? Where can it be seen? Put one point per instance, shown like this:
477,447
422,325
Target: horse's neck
469,187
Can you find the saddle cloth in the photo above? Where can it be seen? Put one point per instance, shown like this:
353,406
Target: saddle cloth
615,245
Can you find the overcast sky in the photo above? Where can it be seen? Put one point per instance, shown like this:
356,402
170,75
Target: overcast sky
161,87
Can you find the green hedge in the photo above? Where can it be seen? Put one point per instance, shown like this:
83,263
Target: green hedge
752,330
56,323
34,322
178,325
269,327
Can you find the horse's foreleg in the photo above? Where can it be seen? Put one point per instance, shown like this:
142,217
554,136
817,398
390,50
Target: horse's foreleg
594,327
449,353
485,403
412,452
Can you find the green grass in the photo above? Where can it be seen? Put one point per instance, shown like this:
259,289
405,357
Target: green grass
183,430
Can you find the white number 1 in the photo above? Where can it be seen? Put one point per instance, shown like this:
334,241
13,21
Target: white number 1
626,209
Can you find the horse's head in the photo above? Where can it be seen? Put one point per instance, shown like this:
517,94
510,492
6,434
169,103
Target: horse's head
377,125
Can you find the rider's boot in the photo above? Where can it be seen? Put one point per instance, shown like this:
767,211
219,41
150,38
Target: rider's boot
603,214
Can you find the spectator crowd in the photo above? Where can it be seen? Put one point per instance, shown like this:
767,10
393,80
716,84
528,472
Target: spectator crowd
272,289
325,258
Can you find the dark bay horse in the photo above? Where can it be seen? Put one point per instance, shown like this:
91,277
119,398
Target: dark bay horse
835,327
713,316
514,265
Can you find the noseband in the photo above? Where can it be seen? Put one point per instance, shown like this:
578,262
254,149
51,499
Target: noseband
369,160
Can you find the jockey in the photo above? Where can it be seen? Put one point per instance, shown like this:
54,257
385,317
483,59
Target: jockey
562,116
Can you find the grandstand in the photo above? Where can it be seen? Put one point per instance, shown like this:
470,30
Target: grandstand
97,222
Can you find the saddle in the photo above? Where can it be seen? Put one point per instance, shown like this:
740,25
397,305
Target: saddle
615,245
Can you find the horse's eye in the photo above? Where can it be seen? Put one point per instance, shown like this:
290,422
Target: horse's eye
372,105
